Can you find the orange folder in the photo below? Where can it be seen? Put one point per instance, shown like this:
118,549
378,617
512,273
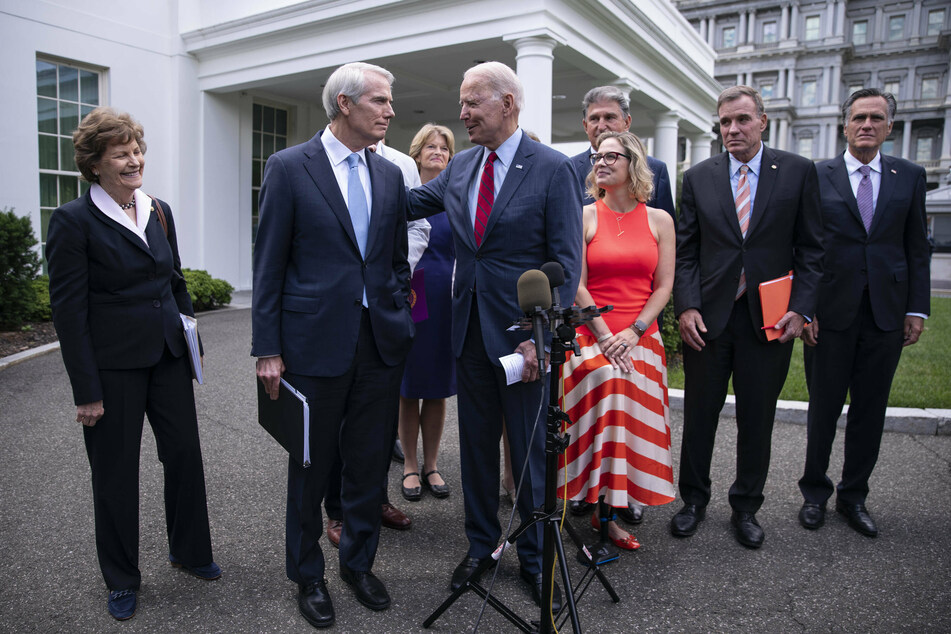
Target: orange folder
774,300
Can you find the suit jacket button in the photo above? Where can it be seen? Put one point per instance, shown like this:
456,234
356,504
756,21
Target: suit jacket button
156,303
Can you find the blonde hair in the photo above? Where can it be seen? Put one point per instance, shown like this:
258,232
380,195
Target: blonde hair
425,133
639,175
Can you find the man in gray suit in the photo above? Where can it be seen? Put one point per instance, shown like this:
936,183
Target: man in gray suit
513,206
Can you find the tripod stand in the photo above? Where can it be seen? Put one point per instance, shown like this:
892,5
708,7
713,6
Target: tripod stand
555,444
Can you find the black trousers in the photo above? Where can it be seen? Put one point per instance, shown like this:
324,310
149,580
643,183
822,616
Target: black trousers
351,417
163,392
860,360
758,370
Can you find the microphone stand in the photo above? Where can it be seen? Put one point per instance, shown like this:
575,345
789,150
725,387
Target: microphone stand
563,341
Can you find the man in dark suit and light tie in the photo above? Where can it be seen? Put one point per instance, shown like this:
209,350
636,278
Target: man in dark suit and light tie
608,109
330,314
873,299
747,216
513,206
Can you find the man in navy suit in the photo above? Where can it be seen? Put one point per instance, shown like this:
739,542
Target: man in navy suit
330,314
748,215
528,215
873,299
608,109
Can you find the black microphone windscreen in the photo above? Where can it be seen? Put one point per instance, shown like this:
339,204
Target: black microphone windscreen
533,291
555,273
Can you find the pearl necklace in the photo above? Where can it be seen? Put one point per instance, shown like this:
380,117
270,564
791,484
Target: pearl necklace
128,205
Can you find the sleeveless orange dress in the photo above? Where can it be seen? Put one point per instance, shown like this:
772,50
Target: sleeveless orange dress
620,440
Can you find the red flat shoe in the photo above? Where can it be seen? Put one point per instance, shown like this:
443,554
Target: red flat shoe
628,543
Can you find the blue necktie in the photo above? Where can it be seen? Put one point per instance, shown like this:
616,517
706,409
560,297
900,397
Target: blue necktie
359,212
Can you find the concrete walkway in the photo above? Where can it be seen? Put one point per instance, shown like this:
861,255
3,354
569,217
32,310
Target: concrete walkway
830,580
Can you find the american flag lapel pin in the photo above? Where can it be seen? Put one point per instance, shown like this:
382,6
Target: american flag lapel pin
518,166
893,171
773,166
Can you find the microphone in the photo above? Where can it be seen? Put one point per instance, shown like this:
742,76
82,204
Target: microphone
555,273
534,298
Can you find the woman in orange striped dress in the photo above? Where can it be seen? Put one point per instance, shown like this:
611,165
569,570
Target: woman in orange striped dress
616,390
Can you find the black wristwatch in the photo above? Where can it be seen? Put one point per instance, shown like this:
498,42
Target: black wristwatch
639,327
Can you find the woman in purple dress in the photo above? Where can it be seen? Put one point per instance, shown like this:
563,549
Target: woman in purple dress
430,375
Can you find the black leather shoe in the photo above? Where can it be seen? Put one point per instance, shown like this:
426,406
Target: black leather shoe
687,519
368,590
463,571
413,494
632,514
812,516
438,490
858,517
398,451
580,507
534,582
748,531
314,604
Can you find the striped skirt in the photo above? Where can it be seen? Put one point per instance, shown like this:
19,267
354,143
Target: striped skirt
620,439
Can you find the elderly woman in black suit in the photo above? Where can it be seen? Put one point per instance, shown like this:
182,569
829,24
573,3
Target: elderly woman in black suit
116,290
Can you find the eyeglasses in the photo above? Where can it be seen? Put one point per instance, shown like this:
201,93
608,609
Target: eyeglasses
610,158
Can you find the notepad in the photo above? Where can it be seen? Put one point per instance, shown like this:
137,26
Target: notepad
190,324
774,300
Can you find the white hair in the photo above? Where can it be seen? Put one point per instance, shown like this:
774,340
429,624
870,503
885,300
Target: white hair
349,80
501,80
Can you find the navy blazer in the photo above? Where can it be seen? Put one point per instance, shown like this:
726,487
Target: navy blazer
115,301
308,272
785,233
661,197
536,219
892,259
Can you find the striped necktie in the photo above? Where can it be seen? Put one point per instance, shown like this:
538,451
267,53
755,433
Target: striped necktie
863,197
743,217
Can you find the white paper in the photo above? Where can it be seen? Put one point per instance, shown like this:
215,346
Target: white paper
303,399
513,364
194,350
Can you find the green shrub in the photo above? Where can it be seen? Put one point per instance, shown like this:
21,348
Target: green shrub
41,310
19,264
670,332
207,292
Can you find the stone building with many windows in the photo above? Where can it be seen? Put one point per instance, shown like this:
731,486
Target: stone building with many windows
805,57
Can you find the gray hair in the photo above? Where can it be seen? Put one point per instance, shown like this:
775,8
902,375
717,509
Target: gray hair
606,93
735,92
501,80
349,80
862,93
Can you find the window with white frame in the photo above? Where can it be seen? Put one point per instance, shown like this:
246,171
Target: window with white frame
855,87
929,88
770,32
767,90
935,21
811,30
804,146
923,148
728,37
65,93
896,28
268,135
808,93
860,32
893,86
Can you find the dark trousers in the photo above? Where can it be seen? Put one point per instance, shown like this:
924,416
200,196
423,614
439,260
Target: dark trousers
349,417
164,393
483,400
759,370
860,360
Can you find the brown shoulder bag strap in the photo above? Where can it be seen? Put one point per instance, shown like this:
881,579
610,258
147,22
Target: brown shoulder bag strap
160,212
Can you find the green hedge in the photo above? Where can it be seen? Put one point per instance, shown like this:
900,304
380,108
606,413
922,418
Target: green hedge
19,264
207,292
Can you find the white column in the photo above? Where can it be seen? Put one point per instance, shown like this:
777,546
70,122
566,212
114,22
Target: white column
699,148
829,150
748,80
784,23
740,78
772,133
823,141
822,97
946,137
751,27
880,22
533,60
711,29
703,29
840,18
665,142
741,34
915,19
906,140
783,135
827,19
790,83
836,85
781,83
912,84
794,23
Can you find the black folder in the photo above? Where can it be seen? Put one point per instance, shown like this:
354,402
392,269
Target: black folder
287,419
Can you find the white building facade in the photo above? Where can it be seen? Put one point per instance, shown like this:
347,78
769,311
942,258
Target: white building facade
219,86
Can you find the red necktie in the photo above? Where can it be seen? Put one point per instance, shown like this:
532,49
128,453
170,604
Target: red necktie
743,217
486,198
